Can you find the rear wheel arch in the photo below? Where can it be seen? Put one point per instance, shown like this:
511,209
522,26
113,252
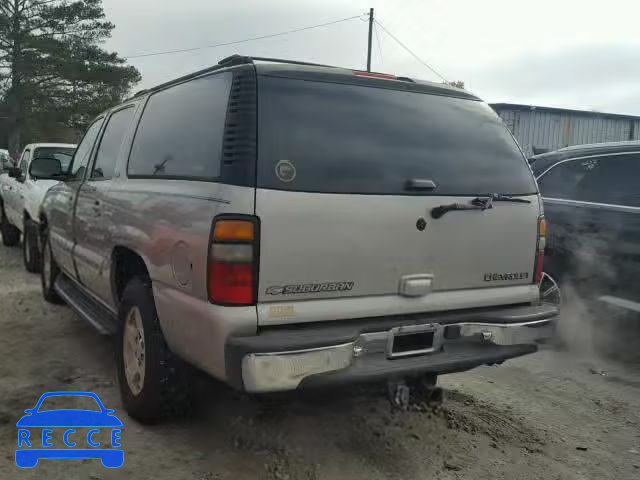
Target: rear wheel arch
126,264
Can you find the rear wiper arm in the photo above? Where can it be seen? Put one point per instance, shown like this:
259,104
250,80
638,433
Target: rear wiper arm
479,203
501,197
438,212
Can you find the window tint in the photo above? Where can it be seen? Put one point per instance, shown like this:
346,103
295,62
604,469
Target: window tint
83,152
613,181
328,137
180,133
562,180
111,142
59,153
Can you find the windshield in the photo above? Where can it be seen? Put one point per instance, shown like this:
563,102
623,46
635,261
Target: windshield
64,154
353,139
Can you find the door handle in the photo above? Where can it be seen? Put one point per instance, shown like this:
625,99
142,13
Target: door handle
96,203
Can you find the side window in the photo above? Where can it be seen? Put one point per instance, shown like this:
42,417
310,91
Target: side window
111,142
83,152
180,133
562,180
613,181
24,162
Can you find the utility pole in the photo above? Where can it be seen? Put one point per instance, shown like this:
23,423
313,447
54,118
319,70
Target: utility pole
369,44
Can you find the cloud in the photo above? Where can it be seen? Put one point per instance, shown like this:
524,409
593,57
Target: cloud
567,54
598,77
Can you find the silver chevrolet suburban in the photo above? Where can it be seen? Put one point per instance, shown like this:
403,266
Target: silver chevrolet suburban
283,225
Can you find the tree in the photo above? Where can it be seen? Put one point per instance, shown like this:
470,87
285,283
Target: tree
456,83
53,70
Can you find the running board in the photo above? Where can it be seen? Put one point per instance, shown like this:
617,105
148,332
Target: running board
86,307
620,303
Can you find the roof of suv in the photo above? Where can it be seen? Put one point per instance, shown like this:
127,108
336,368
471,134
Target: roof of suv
540,163
305,70
63,145
591,149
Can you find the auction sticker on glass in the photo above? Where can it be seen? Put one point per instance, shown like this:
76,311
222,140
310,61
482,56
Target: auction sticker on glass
285,171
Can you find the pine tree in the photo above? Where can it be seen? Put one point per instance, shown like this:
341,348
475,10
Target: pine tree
53,70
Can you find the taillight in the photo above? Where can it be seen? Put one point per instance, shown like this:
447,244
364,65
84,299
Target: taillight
542,240
232,269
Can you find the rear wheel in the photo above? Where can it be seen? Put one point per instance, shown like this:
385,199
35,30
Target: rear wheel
10,234
30,250
153,382
49,271
550,291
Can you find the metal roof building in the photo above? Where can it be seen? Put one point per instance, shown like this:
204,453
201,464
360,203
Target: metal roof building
543,129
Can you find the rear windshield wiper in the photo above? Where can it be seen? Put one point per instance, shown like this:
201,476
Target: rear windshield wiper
478,203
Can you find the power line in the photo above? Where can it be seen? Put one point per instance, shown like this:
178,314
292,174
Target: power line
379,45
410,51
244,40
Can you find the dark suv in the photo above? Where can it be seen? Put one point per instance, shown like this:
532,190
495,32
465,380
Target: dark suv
592,202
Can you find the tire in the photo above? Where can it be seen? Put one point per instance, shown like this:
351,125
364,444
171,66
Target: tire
153,381
550,293
30,250
10,234
49,272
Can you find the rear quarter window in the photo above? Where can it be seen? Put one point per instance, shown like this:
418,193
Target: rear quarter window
181,131
337,138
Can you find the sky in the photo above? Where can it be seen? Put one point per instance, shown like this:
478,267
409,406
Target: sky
563,53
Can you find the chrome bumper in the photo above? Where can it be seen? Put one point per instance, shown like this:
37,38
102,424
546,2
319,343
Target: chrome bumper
285,370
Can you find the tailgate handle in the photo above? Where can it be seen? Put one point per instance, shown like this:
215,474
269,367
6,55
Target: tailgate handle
416,285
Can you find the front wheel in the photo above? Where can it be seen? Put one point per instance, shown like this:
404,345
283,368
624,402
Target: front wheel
49,272
30,250
153,381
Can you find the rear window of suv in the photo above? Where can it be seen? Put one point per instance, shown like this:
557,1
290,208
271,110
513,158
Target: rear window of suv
181,131
338,138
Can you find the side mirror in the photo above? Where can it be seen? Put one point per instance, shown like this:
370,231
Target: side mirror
15,172
46,169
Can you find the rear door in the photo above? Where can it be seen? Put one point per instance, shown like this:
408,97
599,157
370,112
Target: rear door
93,220
347,179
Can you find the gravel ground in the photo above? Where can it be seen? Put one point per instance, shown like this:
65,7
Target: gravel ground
551,415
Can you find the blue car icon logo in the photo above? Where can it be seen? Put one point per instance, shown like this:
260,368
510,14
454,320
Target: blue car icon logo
40,428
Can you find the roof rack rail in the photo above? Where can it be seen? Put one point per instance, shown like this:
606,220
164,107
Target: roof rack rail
180,79
224,63
241,59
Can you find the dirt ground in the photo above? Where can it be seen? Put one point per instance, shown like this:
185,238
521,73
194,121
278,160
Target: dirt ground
552,415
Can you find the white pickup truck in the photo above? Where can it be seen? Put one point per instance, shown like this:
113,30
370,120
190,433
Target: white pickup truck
21,195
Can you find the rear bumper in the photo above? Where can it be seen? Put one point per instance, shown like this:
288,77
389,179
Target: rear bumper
362,350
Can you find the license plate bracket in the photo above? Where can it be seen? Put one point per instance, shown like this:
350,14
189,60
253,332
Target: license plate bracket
413,340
